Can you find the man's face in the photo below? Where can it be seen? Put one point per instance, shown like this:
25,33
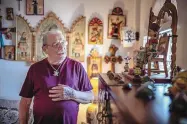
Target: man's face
56,46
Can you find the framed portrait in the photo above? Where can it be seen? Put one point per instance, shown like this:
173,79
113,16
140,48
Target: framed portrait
94,66
9,14
24,40
48,22
34,7
9,52
77,40
95,31
116,21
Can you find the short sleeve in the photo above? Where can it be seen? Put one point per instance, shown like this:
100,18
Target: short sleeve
28,85
84,82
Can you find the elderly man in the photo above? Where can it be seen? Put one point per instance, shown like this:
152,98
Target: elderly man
57,83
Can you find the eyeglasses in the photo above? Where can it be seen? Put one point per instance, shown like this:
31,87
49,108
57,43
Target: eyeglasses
58,44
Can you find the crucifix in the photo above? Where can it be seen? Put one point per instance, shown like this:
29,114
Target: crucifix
112,58
19,4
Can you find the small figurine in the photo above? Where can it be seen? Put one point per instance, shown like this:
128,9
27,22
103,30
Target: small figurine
127,86
179,104
110,75
137,73
146,91
179,83
179,93
126,67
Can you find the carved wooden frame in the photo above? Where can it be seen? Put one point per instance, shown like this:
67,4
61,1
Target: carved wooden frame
94,60
9,52
117,14
29,6
77,39
95,31
24,44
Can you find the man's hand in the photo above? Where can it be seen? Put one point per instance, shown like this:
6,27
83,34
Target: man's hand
61,92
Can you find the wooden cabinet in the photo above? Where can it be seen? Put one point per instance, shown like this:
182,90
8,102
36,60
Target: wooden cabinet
119,106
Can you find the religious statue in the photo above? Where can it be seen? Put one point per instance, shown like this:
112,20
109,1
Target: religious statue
35,7
178,93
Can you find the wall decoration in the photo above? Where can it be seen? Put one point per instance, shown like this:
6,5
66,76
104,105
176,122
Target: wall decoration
113,59
77,39
9,14
34,7
24,39
128,37
49,21
116,21
94,64
95,31
9,52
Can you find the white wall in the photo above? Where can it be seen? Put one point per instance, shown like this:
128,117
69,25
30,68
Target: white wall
68,11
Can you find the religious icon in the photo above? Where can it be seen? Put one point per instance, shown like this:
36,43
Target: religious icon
9,52
77,39
34,7
94,64
78,45
23,40
9,14
115,23
23,45
95,31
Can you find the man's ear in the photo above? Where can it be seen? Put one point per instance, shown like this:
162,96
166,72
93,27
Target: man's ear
44,48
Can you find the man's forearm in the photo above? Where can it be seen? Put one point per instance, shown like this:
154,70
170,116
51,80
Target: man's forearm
24,111
84,97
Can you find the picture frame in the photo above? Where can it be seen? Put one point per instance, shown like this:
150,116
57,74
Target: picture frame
34,7
9,52
116,21
9,14
51,20
77,39
24,39
94,66
95,31
94,63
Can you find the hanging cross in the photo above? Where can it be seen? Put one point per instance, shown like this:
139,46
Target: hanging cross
112,58
19,4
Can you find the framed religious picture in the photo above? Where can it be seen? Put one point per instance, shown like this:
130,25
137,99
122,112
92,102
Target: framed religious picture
9,14
116,21
94,64
77,40
24,40
9,52
48,22
34,7
95,31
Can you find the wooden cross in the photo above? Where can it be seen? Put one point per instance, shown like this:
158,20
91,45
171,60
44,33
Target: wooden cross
112,58
19,4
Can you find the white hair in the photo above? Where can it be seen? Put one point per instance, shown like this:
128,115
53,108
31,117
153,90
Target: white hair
52,31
